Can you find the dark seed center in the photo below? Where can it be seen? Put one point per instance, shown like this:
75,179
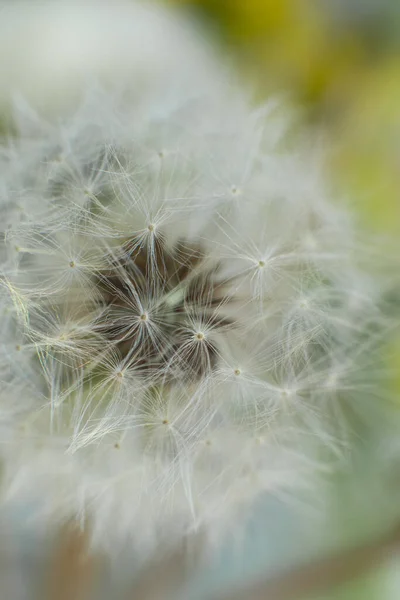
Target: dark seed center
177,289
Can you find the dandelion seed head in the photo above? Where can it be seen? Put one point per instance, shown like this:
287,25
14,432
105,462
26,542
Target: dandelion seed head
144,310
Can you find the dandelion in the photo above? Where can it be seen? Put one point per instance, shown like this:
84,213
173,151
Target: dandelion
183,313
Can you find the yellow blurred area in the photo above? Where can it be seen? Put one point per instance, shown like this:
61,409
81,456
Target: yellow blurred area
338,73
369,157
288,43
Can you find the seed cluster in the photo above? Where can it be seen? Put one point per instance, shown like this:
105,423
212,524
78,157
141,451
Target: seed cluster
163,309
184,329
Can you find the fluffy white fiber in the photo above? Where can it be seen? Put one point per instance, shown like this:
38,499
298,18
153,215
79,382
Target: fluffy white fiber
184,313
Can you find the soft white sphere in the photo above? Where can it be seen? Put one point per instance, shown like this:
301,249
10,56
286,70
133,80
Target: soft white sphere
50,50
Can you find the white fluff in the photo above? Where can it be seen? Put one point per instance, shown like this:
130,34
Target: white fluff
197,405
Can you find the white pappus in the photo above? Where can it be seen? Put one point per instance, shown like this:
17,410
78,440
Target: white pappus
184,312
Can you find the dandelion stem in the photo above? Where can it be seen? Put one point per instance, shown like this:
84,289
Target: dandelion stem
324,574
71,574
